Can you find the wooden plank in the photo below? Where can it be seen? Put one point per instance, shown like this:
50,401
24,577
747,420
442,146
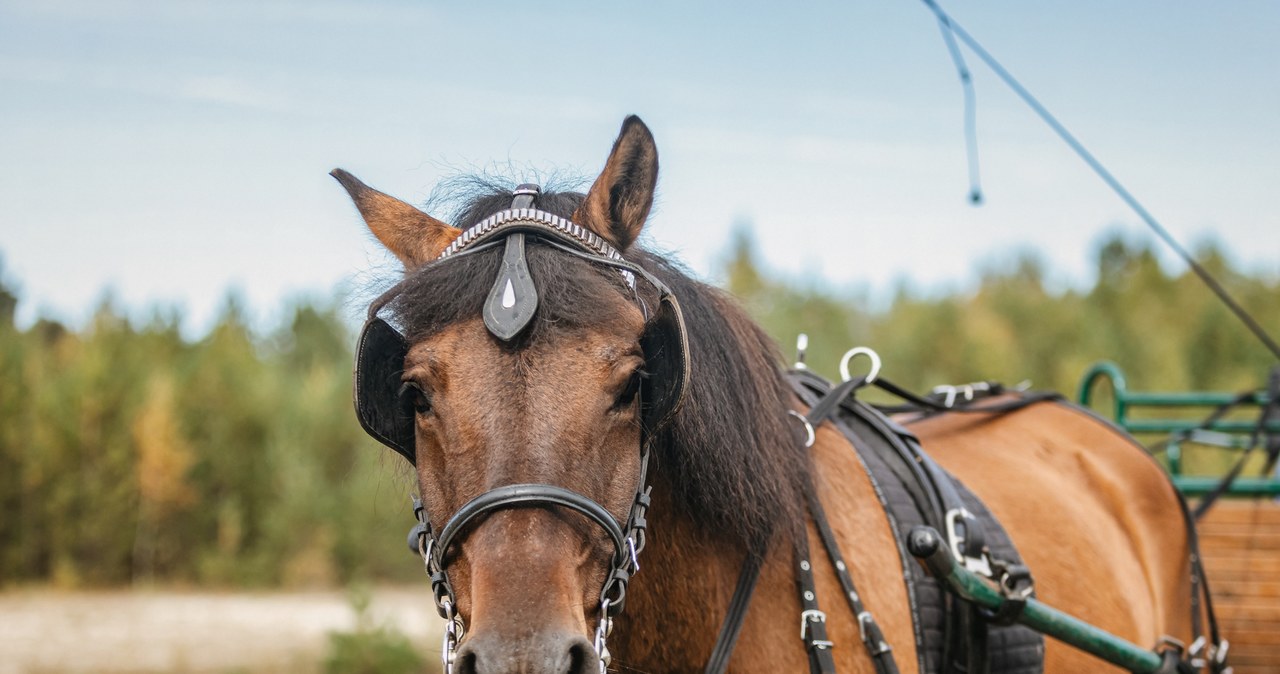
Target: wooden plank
1253,511
1213,542
1264,566
1254,637
1248,587
1250,611
1227,576
1237,528
1252,661
1240,542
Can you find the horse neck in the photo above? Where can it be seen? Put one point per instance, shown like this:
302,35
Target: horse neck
676,603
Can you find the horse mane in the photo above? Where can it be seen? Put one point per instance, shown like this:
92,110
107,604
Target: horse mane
731,454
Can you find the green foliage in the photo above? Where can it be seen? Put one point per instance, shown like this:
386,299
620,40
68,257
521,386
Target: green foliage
129,454
370,648
1168,332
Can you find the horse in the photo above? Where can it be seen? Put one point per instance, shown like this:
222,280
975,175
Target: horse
558,394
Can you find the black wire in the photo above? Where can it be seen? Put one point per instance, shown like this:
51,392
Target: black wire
970,112
1103,173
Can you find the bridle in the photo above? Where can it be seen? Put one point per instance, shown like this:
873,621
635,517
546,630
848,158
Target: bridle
510,306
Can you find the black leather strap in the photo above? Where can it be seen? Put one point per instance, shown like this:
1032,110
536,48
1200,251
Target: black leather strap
868,629
529,496
737,614
813,622
1259,437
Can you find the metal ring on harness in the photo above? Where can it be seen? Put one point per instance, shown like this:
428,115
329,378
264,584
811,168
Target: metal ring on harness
860,351
808,428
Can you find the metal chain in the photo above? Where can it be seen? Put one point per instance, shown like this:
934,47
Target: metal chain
603,630
613,593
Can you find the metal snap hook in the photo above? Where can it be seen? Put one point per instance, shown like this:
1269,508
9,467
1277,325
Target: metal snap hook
860,351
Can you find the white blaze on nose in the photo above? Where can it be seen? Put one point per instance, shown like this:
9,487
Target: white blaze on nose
508,296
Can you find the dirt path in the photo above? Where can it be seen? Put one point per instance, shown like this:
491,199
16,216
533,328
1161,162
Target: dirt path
157,631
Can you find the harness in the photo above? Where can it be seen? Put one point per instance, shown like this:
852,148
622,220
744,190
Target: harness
510,306
913,490
952,636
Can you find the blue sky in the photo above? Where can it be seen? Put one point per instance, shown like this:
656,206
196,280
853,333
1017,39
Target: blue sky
171,150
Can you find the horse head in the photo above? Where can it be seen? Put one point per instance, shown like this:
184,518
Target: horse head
521,364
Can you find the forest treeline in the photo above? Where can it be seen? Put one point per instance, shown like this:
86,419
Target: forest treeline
132,455
1167,331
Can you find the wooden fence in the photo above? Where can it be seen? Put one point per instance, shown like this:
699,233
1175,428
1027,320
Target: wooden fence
1240,541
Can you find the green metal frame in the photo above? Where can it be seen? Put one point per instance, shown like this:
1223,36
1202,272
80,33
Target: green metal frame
1229,433
926,544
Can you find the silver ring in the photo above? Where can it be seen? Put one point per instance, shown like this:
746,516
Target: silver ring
808,427
860,351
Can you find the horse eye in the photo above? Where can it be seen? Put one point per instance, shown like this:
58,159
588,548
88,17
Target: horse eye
629,393
412,393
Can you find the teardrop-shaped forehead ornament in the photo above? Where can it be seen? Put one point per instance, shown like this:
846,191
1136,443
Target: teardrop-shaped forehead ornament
513,299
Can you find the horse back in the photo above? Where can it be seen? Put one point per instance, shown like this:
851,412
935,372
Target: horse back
1095,518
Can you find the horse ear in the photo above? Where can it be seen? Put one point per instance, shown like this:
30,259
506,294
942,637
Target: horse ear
618,202
413,236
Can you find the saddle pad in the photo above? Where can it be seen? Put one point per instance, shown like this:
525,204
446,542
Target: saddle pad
906,495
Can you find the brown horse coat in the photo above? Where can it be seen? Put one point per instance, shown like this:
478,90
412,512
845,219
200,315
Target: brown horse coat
1093,517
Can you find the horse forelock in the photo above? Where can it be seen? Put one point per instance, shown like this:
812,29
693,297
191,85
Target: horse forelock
730,455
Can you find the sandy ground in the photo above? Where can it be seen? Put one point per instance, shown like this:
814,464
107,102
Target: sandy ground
43,631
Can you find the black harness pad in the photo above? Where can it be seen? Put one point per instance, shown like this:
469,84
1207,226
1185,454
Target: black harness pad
909,499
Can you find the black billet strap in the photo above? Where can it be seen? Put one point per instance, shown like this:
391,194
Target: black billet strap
737,614
872,636
530,496
813,622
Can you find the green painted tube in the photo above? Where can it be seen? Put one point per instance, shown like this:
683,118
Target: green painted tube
927,545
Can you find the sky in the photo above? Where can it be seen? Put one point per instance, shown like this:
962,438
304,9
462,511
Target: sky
166,152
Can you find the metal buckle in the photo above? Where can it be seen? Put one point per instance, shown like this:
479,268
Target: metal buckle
1194,652
810,615
955,541
865,618
1219,655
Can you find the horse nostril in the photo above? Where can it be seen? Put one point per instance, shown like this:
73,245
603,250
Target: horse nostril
581,658
464,662
550,654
